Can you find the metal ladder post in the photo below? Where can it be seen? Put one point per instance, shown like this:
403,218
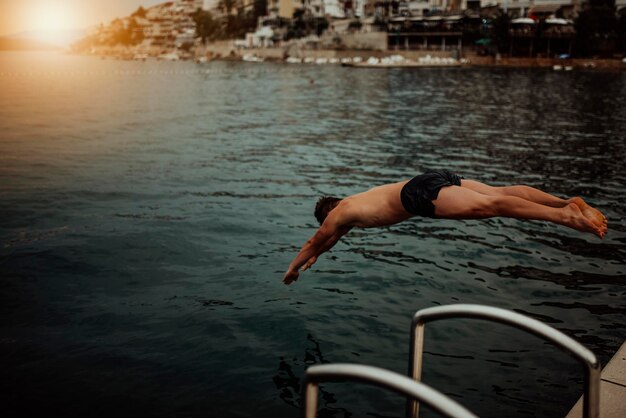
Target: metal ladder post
379,377
591,399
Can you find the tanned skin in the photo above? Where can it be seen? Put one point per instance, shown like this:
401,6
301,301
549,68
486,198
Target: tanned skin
381,206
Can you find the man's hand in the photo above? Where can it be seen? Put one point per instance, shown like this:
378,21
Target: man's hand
291,276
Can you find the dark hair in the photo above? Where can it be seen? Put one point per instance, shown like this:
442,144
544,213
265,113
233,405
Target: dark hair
324,205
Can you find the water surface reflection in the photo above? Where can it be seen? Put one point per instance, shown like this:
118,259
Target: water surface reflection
148,211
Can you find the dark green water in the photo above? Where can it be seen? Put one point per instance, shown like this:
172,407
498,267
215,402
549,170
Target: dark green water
148,211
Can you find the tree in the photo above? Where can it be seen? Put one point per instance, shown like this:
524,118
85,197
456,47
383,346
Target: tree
304,24
140,12
260,8
500,31
126,32
321,25
621,30
596,28
135,32
226,6
235,22
206,26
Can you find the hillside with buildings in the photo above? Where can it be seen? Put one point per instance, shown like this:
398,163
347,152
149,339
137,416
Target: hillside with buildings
527,28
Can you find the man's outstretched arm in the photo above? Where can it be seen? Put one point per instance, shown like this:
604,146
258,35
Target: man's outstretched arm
323,240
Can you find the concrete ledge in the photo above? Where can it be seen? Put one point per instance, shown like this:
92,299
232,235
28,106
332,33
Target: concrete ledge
615,371
612,389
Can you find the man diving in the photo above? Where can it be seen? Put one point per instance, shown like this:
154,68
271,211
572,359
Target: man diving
443,195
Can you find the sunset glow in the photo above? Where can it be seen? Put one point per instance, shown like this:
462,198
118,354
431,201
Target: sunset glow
50,15
62,15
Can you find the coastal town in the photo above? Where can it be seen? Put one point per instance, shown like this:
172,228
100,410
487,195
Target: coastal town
555,33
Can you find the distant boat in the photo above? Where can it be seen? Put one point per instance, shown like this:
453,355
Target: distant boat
402,65
252,58
171,56
397,61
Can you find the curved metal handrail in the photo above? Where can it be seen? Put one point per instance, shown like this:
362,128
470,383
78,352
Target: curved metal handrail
380,377
591,399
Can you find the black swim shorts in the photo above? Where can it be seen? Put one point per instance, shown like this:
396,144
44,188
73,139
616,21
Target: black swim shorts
417,195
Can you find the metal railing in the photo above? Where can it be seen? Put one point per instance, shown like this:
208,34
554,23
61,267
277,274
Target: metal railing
591,399
380,377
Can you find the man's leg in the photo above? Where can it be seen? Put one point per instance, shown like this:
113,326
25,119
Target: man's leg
456,202
535,195
525,192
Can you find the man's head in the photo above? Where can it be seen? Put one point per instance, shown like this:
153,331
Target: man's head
324,205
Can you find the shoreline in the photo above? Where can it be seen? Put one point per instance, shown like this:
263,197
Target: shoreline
225,51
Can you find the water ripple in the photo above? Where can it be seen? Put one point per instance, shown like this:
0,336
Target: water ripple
149,209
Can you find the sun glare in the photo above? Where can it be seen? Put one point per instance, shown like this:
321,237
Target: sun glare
51,15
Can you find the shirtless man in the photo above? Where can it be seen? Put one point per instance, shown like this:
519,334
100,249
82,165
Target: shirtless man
438,194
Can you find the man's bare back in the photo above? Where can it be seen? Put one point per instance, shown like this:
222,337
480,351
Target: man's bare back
379,206
438,194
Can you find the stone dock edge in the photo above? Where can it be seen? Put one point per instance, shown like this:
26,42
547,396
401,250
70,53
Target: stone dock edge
612,389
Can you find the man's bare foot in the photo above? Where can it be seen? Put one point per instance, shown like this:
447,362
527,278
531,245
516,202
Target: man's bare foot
574,218
590,212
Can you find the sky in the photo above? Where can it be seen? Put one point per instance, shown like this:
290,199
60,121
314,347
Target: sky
57,15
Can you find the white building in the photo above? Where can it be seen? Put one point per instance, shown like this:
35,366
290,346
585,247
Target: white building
334,8
210,4
415,7
359,9
171,24
321,8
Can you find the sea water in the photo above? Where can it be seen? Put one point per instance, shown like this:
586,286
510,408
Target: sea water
149,209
